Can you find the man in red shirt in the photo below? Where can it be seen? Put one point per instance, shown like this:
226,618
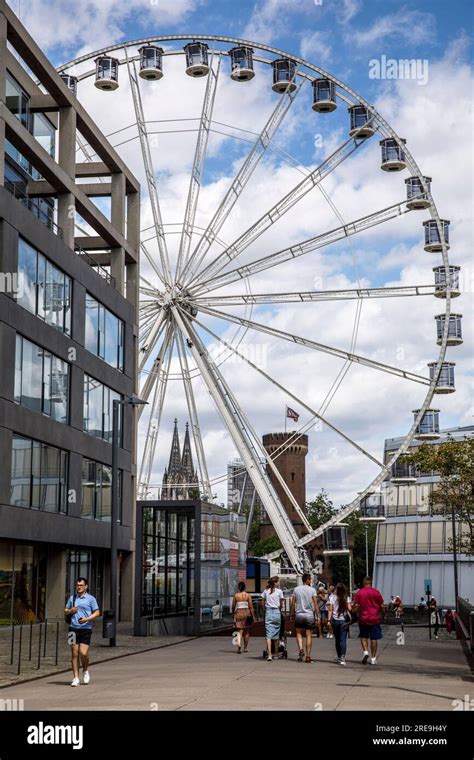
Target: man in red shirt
369,604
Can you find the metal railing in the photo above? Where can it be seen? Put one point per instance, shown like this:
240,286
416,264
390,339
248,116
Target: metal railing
33,205
101,271
34,643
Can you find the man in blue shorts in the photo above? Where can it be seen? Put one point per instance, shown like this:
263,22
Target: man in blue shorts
369,604
83,609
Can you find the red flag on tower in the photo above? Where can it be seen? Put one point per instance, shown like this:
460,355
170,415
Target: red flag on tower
292,414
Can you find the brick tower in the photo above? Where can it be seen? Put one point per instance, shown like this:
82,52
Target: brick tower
291,465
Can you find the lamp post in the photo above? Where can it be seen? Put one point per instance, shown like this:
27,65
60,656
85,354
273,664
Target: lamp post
133,401
366,550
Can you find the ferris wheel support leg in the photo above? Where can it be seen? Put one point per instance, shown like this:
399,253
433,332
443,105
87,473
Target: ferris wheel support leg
155,372
152,339
232,418
192,409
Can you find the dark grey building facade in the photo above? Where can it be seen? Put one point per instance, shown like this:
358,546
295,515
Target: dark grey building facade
68,332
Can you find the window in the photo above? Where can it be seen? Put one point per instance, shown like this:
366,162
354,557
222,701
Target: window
104,333
17,100
97,491
98,409
43,288
41,380
38,475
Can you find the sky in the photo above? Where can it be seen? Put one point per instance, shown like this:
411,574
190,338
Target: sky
350,39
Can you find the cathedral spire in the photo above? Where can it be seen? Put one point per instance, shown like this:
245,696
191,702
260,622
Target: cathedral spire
187,460
175,453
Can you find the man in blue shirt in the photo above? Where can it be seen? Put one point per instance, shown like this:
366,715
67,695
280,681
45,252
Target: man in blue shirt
83,609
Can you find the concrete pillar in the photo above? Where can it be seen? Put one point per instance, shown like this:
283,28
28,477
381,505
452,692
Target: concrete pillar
67,162
117,217
55,582
126,586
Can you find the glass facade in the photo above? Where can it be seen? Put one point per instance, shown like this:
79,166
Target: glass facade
17,100
96,499
85,563
104,333
416,537
41,380
168,566
22,583
98,403
43,288
39,475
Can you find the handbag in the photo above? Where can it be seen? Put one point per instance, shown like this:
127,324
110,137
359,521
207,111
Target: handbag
351,617
67,618
249,620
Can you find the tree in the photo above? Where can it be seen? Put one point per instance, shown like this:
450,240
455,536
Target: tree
320,510
266,545
453,496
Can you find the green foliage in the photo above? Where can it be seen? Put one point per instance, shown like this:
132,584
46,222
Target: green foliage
453,495
265,546
320,510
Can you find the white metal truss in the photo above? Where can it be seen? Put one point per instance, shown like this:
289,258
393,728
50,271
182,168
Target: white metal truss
244,299
198,168
302,403
154,420
193,416
300,249
156,370
239,182
356,358
279,209
149,341
149,171
241,436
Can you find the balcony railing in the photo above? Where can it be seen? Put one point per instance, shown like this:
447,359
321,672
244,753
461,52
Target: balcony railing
33,205
101,271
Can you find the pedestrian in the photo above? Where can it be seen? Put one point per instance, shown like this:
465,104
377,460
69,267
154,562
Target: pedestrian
435,617
397,605
216,614
323,610
304,610
339,618
368,602
272,601
83,609
422,604
449,621
242,610
331,599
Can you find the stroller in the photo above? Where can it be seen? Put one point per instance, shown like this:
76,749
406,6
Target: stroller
279,647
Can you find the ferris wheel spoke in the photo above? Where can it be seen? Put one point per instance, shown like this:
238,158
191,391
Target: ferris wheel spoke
152,262
244,299
239,182
356,358
193,416
244,438
157,329
279,209
156,368
306,246
154,422
146,327
165,275
198,167
290,394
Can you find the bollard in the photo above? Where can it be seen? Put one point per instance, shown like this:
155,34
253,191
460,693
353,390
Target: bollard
57,642
39,646
13,643
19,651
31,639
45,634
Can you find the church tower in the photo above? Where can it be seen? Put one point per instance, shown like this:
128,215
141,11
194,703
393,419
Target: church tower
180,478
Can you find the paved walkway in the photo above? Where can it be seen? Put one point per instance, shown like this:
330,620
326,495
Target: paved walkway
208,674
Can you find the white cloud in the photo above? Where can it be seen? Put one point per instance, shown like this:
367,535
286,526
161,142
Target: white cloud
315,47
414,27
90,24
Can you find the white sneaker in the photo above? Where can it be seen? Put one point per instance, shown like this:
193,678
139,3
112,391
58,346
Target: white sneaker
87,676
269,659
365,658
342,661
337,658
75,682
373,661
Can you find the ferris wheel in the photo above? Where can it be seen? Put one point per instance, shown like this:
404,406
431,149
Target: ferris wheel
200,289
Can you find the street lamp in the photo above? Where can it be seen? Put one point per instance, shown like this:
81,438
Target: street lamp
132,401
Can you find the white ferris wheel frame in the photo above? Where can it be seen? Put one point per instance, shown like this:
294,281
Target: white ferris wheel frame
168,316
